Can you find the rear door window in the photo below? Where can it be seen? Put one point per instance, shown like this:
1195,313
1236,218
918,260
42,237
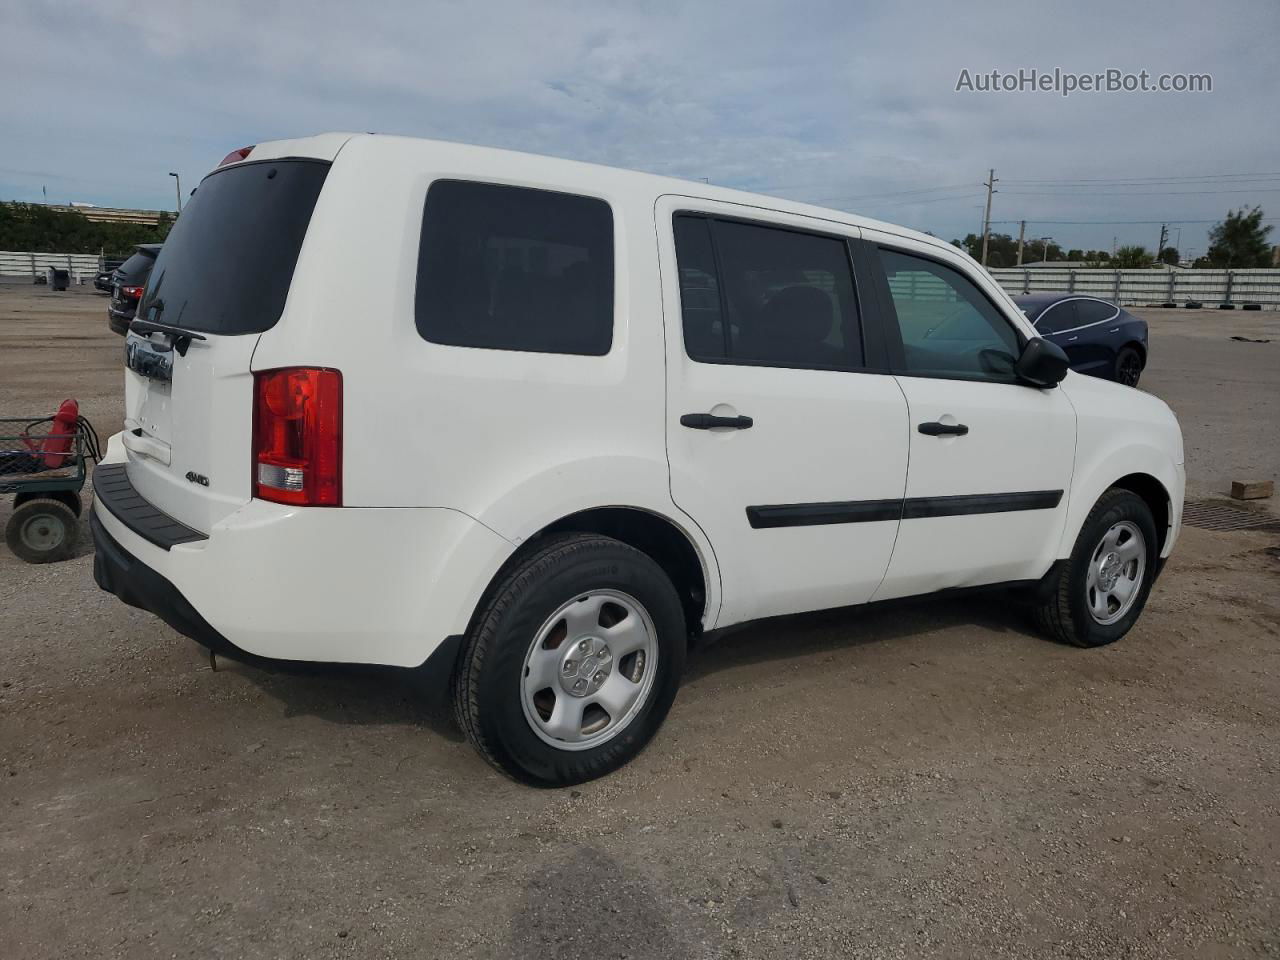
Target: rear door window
227,264
768,296
511,268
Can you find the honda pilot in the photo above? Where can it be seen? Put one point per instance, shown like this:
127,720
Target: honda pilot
532,426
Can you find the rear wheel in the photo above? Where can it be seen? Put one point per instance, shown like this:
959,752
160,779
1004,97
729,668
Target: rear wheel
1095,596
42,531
573,661
1128,366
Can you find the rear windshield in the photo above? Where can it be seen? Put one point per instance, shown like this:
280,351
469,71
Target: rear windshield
226,265
137,267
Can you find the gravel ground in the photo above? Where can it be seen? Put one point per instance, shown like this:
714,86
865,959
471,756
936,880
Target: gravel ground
927,779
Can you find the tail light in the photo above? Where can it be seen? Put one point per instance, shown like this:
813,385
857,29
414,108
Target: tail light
133,293
297,436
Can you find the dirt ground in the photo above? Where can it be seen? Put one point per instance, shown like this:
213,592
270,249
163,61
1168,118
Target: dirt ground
928,779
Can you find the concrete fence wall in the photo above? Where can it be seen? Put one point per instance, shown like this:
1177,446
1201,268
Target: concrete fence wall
1143,287
81,266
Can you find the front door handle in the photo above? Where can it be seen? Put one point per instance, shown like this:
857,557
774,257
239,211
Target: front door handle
936,429
705,421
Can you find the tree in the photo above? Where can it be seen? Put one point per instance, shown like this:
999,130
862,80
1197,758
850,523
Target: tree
1240,241
1131,258
35,227
1170,256
1038,251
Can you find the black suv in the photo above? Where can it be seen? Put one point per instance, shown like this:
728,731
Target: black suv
127,284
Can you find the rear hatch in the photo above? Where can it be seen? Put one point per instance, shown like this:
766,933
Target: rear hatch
220,280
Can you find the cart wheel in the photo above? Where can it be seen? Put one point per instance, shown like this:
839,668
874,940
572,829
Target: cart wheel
42,531
70,497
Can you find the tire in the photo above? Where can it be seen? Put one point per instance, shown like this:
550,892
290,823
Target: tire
1063,600
1128,367
69,497
42,531
522,636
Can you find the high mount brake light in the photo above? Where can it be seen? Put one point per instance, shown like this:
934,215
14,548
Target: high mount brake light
297,436
235,156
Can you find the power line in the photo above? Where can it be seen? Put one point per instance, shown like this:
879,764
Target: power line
897,193
1170,179
1173,220
1128,193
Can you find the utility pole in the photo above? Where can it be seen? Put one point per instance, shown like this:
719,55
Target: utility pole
986,217
1022,229
1164,235
177,186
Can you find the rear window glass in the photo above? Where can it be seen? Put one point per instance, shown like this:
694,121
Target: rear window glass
510,268
226,265
1095,311
137,267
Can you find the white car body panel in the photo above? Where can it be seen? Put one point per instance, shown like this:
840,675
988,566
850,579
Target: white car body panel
454,457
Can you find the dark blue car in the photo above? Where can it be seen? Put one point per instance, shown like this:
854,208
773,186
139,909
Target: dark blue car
1100,338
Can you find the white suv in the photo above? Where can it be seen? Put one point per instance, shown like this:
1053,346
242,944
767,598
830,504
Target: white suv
531,425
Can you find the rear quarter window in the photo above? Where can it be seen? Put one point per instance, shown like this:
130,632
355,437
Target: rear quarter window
512,268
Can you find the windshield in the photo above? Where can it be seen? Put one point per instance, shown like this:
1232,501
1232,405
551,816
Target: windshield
226,265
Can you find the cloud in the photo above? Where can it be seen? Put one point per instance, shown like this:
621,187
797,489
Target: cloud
835,102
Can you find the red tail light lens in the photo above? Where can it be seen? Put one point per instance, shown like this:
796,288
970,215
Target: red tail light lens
235,156
297,436
133,293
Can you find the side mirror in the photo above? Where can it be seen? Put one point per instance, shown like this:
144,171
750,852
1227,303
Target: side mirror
1042,364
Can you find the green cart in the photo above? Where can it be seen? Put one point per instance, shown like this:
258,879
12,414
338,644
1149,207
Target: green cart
42,463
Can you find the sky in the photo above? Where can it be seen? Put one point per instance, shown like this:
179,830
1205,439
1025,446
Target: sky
849,105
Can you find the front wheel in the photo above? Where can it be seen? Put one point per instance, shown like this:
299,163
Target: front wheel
573,661
1096,595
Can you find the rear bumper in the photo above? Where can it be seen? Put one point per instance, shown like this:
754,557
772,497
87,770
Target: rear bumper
118,571
348,585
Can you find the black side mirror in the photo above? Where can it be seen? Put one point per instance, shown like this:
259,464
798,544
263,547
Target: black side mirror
1042,364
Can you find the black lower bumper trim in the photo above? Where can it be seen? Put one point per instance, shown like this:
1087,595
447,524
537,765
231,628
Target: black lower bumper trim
118,571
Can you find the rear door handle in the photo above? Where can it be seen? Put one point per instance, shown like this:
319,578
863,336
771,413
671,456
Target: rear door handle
936,429
705,421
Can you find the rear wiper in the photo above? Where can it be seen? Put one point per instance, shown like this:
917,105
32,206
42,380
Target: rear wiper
181,338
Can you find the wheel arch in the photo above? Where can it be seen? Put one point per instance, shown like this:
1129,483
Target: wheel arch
1137,347
1156,497
1155,491
673,548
